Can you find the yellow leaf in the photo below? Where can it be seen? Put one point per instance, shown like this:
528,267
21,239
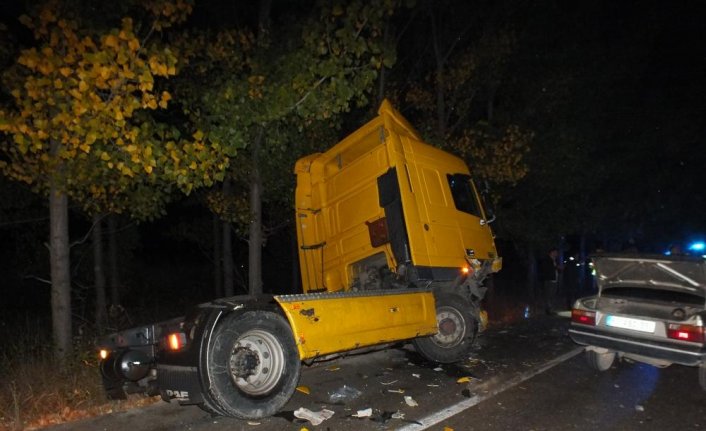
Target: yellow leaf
198,135
304,389
65,71
111,41
133,44
463,380
105,156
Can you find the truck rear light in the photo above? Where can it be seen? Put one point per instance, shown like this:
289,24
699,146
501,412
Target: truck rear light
176,340
695,334
583,317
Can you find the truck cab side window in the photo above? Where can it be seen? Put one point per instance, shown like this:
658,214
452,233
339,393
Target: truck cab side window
464,194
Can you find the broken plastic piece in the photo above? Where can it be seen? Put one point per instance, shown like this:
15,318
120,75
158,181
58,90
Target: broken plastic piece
365,413
344,394
398,415
314,417
410,401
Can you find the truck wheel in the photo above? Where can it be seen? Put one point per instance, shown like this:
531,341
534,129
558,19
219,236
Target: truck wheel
253,365
600,361
457,330
702,375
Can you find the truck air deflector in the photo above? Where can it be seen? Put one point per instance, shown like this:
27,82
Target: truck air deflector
391,202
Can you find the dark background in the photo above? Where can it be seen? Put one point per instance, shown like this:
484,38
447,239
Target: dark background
613,91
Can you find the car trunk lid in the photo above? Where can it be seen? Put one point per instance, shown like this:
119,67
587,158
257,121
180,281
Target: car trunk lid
681,274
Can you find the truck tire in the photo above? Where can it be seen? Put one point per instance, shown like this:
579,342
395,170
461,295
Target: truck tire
457,331
600,361
253,365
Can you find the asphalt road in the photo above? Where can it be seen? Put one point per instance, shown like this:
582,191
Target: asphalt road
570,396
382,380
523,377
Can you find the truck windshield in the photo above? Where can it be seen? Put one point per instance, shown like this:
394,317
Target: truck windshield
464,194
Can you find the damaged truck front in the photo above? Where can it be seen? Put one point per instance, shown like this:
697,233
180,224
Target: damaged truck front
394,245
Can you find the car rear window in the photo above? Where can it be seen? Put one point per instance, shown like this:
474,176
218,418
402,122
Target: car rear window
660,295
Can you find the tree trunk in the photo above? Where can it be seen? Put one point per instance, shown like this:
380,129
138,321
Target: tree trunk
60,272
113,260
99,273
228,282
255,238
227,241
217,257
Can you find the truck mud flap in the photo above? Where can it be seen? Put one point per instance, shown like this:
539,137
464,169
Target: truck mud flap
179,383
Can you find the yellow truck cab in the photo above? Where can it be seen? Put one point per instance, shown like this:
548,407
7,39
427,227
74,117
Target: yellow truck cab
394,245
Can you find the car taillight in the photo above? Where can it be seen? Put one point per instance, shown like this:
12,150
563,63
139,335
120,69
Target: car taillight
176,340
583,317
692,333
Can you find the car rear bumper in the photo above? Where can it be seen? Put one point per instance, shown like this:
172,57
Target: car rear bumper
671,352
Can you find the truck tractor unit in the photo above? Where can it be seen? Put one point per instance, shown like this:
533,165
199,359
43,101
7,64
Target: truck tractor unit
394,245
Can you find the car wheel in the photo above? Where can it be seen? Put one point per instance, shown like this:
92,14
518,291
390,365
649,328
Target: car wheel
600,361
702,375
253,365
457,330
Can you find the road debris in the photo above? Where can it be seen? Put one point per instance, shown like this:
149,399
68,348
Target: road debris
365,413
396,391
388,383
304,389
438,369
639,408
398,415
410,401
464,379
314,417
344,394
419,376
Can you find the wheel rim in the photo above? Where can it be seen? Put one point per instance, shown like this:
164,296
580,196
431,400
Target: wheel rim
256,362
452,327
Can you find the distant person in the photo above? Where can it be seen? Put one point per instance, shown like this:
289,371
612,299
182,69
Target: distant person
549,272
676,250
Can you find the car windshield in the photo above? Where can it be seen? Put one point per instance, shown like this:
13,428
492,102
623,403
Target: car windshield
661,295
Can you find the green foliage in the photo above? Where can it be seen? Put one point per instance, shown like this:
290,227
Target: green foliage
83,118
290,83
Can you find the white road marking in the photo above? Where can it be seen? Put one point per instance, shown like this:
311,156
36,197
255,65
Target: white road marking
452,410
